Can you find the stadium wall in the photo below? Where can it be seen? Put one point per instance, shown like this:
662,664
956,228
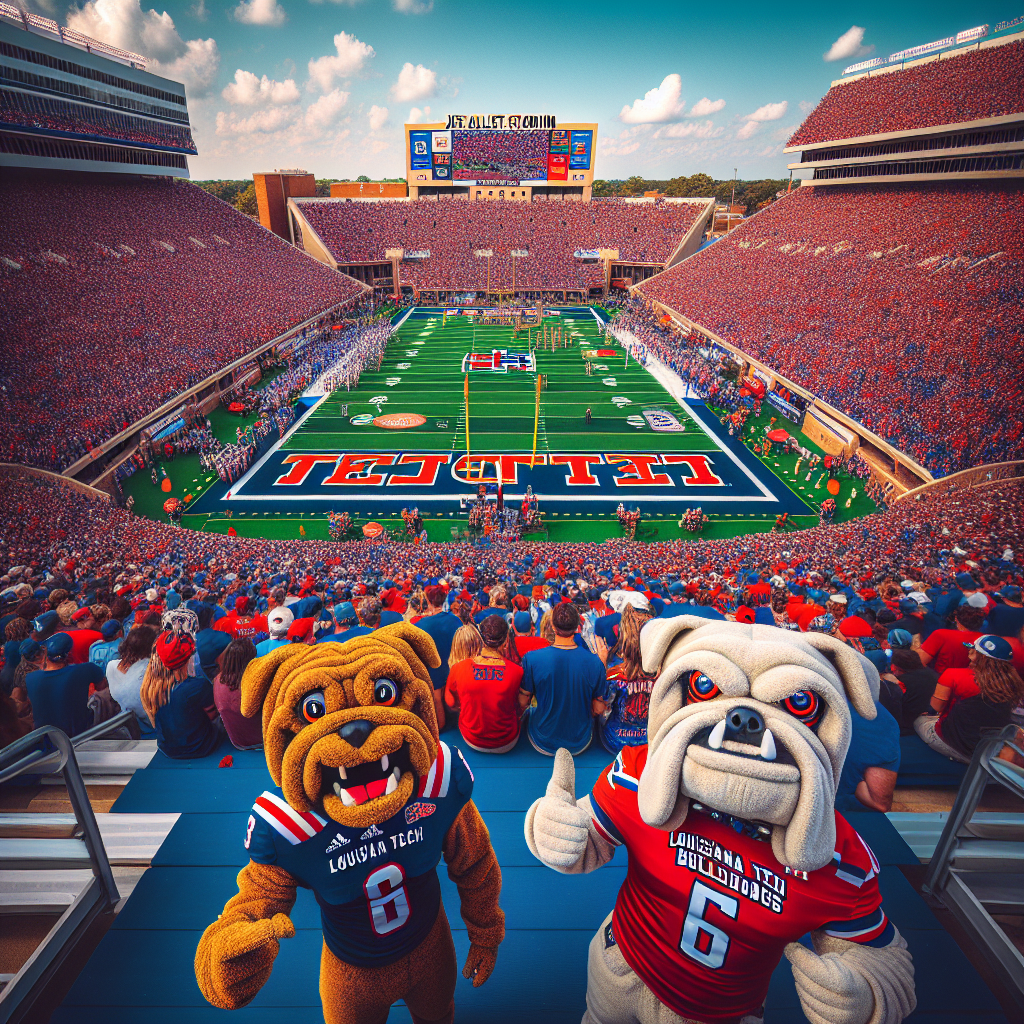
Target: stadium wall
993,474
11,468
690,242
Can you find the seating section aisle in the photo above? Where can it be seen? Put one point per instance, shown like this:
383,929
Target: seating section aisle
968,87
142,972
114,297
897,305
452,230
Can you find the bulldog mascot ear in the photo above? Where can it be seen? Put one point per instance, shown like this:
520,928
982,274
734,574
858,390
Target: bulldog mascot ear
730,812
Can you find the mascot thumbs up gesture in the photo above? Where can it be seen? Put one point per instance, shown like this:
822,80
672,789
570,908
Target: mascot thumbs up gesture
735,848
367,801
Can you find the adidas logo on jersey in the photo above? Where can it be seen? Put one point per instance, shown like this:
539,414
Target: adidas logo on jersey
337,843
371,833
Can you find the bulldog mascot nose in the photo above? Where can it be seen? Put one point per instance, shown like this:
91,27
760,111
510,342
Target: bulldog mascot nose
735,848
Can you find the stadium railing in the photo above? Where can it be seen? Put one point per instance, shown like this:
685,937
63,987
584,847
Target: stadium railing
993,474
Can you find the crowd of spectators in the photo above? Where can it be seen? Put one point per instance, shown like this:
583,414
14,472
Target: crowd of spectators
54,115
102,612
115,297
517,155
896,304
971,86
453,230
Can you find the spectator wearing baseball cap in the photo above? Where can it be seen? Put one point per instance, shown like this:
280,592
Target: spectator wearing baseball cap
441,627
971,701
484,689
45,625
348,624
104,650
1007,618
59,692
524,634
179,703
279,621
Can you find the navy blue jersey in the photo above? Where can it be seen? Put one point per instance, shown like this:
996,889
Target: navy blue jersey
377,887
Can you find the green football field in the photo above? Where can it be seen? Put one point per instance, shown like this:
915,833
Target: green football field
422,373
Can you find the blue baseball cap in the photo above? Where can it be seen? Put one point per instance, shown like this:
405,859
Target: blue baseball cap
345,612
606,627
995,647
908,607
48,620
110,629
965,579
1010,592
58,647
900,639
522,622
29,648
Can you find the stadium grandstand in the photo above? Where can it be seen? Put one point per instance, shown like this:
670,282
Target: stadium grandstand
209,429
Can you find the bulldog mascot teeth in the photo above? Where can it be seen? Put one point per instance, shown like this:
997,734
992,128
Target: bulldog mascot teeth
369,800
735,848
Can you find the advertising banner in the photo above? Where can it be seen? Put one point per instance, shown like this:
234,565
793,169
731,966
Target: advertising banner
441,142
443,166
560,141
579,150
558,167
419,150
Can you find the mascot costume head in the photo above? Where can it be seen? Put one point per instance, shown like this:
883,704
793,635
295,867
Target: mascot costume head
368,800
735,849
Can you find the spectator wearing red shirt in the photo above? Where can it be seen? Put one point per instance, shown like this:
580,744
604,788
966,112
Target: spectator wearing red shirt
970,701
485,689
84,632
238,622
523,634
944,648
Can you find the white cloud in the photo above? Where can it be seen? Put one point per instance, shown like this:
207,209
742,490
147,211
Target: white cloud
262,122
123,23
658,105
705,106
199,11
748,129
378,117
247,90
350,55
769,112
806,106
260,12
698,129
628,141
849,44
414,6
417,116
415,82
324,112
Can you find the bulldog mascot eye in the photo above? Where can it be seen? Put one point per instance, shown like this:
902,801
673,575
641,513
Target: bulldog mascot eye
735,848
367,799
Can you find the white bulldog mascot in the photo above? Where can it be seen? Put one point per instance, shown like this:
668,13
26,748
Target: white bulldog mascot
735,848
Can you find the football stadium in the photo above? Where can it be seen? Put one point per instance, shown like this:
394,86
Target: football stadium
501,516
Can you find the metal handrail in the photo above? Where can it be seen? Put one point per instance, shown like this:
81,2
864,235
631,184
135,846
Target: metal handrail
37,758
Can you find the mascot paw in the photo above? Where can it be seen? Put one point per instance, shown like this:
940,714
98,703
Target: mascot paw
240,957
559,825
479,963
830,991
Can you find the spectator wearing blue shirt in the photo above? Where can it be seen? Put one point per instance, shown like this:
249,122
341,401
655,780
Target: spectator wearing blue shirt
441,627
569,684
180,705
104,651
1007,619
872,763
210,643
59,692
278,623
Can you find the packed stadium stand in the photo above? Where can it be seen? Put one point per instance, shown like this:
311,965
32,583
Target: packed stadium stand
971,86
118,294
898,305
452,231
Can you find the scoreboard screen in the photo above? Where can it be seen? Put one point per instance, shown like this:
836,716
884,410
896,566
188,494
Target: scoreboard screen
502,156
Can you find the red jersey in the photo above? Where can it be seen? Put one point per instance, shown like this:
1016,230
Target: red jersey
525,644
488,696
705,912
82,640
946,646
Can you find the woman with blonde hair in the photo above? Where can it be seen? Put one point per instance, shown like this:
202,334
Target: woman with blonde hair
546,629
179,703
624,724
467,643
971,701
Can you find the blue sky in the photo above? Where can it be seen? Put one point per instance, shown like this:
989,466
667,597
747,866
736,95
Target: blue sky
327,85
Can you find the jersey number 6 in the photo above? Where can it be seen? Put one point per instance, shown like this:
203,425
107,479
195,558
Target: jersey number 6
389,903
697,931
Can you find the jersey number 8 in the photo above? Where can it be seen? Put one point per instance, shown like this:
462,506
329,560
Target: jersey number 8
389,902
702,941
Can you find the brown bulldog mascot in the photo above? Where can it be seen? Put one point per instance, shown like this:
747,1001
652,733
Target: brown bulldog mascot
735,848
368,801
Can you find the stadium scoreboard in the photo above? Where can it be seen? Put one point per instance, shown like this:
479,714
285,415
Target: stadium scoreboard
500,149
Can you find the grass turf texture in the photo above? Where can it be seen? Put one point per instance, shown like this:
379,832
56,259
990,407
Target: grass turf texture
426,358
